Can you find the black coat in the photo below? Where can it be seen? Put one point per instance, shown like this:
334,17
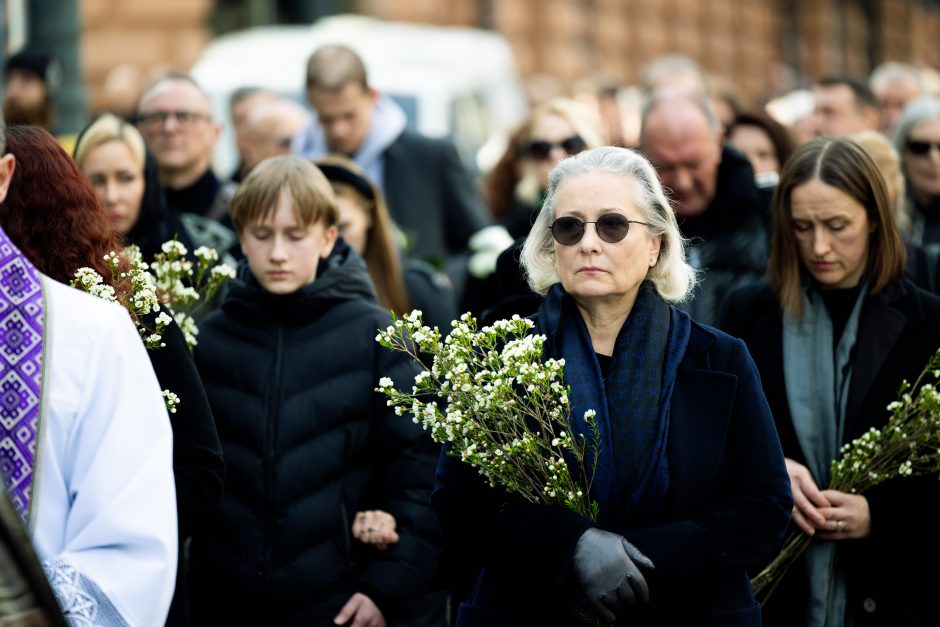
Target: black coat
431,196
727,507
198,468
898,332
729,241
307,444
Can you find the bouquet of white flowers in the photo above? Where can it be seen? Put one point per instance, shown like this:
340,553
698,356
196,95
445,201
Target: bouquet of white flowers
174,286
185,289
908,445
506,411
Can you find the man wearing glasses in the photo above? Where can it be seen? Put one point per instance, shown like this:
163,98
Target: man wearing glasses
175,117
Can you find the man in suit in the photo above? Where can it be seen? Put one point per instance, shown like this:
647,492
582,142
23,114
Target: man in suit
429,193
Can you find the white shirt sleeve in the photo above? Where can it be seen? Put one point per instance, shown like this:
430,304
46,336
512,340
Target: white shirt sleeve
105,522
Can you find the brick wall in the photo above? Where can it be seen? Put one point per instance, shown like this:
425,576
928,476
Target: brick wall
150,34
738,41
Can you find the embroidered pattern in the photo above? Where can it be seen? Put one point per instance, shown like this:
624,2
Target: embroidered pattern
82,602
21,346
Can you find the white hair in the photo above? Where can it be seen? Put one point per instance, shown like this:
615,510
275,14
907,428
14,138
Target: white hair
672,276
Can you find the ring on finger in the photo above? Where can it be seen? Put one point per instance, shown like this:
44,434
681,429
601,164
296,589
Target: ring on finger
840,526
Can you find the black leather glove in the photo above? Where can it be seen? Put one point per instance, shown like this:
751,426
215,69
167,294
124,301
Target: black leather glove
604,566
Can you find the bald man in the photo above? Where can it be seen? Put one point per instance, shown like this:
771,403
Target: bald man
714,195
269,129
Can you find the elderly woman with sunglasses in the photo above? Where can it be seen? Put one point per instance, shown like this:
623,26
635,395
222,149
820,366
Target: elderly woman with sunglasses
690,478
917,139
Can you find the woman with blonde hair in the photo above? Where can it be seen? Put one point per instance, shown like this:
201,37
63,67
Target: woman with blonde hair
555,129
113,156
689,477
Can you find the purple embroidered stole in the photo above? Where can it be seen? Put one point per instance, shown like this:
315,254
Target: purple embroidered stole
22,315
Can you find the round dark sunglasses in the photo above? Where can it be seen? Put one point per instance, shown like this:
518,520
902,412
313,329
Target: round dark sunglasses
540,149
611,227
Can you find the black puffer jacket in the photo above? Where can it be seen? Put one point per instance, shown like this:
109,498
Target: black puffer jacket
307,444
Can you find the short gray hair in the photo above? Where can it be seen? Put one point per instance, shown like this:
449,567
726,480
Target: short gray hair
916,112
892,71
672,276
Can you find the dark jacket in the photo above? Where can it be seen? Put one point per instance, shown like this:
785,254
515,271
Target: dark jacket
727,507
431,196
899,330
197,454
307,444
729,241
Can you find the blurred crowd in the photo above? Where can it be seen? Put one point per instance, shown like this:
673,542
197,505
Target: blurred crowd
325,514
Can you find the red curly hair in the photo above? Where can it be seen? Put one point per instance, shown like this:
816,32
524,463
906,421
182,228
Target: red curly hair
51,211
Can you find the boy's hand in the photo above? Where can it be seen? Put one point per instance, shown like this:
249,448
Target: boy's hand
360,611
375,527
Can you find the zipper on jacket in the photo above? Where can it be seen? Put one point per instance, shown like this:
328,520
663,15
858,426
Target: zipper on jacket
271,420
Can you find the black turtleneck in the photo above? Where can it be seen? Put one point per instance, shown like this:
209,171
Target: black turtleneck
198,197
839,304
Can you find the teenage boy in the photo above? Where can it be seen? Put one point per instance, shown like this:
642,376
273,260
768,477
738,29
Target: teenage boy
290,364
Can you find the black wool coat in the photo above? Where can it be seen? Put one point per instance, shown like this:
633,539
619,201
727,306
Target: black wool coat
727,507
307,444
431,196
891,580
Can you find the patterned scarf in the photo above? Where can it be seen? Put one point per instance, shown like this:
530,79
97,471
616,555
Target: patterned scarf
632,403
22,316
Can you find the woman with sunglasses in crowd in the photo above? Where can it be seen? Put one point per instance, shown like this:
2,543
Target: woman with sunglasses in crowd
554,130
833,335
917,139
515,188
689,479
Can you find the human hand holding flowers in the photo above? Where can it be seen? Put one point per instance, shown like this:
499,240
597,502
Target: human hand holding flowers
908,445
506,410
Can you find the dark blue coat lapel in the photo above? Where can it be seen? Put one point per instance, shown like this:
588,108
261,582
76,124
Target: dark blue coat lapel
701,407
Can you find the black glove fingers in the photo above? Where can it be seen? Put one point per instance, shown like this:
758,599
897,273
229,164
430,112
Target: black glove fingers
614,605
637,556
597,603
639,586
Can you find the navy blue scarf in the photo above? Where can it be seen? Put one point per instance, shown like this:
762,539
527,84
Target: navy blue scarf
632,403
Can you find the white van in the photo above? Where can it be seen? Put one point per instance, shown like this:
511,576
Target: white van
457,82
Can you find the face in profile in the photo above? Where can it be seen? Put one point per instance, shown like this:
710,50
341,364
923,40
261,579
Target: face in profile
832,233
118,179
283,253
608,261
922,161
